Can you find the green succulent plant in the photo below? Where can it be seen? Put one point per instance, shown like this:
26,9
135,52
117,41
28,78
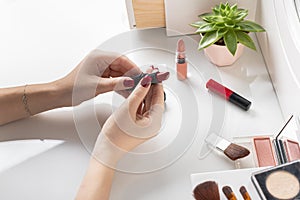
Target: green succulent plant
226,24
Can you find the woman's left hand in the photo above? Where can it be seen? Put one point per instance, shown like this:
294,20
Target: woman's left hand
97,73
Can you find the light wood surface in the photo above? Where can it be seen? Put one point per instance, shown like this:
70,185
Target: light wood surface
149,13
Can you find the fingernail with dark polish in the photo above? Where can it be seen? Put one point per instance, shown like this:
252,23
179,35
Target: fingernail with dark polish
146,81
128,83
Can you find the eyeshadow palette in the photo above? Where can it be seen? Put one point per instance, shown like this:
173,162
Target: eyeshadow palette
292,150
264,151
277,183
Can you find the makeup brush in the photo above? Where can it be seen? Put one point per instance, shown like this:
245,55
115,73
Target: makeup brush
231,150
228,193
207,191
244,193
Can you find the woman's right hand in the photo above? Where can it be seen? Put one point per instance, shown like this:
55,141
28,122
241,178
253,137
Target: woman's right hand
136,120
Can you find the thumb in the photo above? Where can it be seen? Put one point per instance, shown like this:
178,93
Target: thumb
138,95
114,84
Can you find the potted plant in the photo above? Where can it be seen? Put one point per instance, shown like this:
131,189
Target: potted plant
224,33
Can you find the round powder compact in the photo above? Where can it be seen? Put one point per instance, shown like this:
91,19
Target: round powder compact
282,185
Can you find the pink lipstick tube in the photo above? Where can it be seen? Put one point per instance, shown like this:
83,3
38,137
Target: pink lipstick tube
181,64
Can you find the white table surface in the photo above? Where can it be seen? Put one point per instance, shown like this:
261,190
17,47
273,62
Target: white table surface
39,46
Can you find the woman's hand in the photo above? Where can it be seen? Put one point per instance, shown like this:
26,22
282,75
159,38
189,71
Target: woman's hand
97,73
136,120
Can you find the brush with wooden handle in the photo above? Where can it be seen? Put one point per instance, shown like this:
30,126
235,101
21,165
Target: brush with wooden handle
229,193
244,193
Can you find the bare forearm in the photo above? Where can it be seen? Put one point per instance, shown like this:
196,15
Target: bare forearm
96,183
39,98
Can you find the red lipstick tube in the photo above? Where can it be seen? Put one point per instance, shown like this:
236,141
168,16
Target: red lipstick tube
228,94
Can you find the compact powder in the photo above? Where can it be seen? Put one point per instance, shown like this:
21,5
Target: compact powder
282,185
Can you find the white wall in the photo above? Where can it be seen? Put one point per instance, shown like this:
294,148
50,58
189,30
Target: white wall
280,49
39,40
